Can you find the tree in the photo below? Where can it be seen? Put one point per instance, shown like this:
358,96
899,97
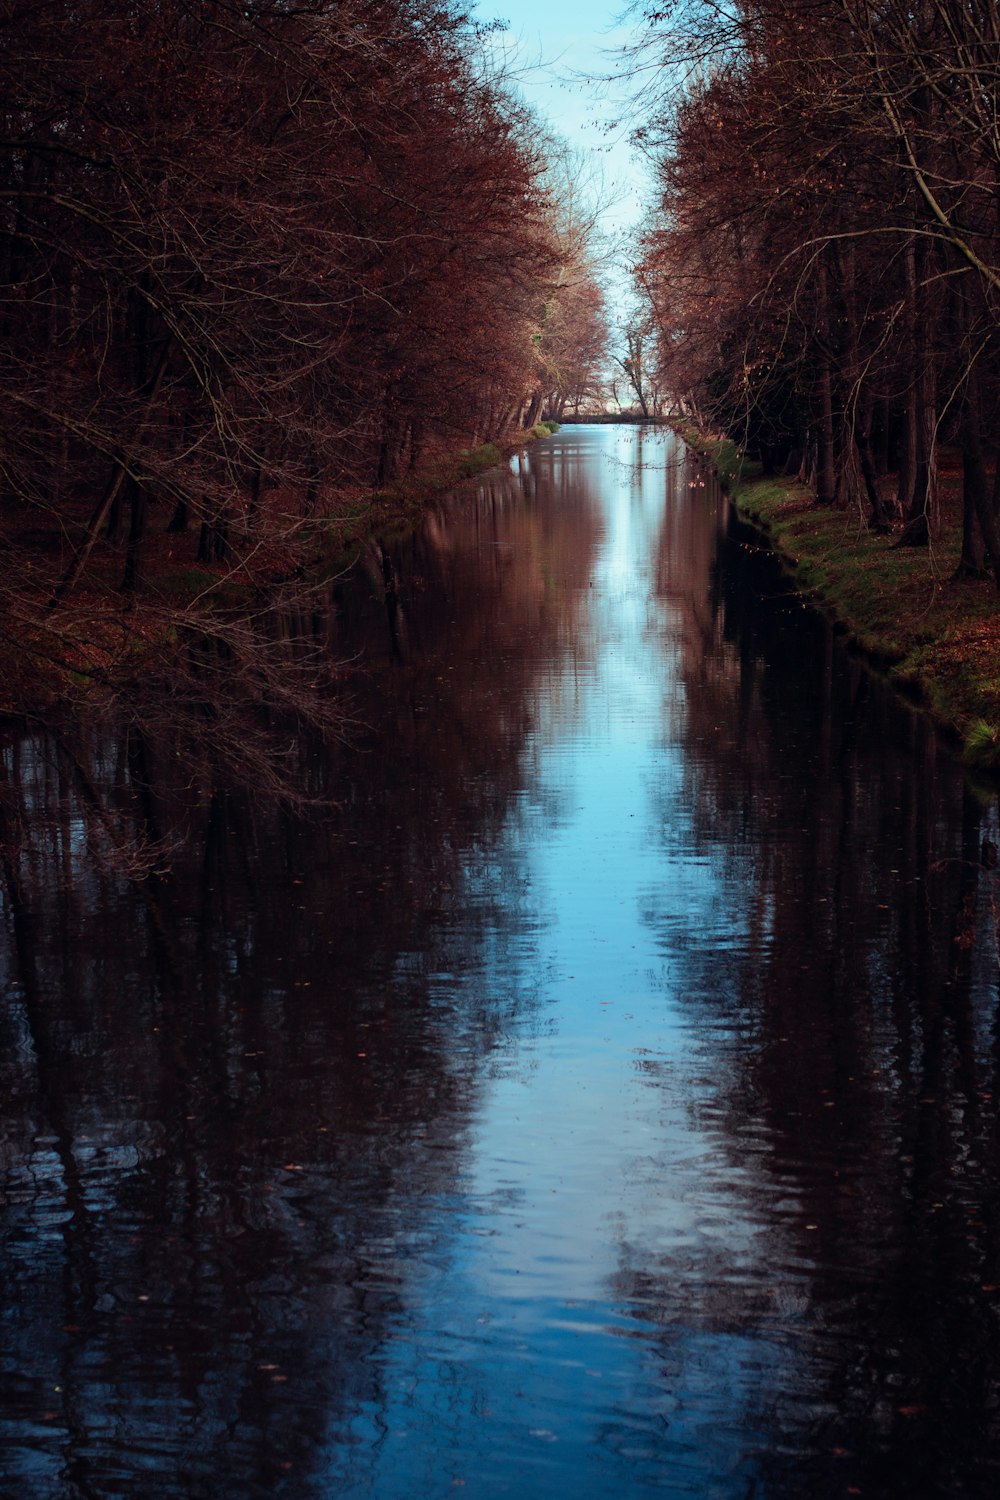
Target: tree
255,260
791,309
569,336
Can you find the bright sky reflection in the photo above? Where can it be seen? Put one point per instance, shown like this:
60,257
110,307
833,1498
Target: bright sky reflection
522,1352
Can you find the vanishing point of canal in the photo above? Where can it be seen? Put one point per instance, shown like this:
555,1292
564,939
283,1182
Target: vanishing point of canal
599,1101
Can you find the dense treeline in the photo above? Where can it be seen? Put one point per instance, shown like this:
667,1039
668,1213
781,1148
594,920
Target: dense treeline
256,261
824,265
246,247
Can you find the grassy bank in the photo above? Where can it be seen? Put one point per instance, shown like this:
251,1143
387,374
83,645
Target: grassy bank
935,637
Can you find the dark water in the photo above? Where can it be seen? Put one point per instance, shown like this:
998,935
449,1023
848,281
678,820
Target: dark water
602,1101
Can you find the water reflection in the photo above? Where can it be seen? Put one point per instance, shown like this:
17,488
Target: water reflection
861,987
601,1096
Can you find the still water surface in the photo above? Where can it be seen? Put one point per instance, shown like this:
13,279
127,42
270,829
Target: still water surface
602,1100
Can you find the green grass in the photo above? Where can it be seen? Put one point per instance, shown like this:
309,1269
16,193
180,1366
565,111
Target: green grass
723,453
936,638
981,746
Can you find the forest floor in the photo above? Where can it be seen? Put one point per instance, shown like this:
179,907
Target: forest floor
98,635
934,636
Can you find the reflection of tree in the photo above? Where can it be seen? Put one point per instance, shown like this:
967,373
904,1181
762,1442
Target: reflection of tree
234,1089
845,1003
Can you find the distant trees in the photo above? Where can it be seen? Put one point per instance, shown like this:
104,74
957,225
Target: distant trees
635,357
825,261
572,345
570,336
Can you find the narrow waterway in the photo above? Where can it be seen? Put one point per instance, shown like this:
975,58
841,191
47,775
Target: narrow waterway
600,1099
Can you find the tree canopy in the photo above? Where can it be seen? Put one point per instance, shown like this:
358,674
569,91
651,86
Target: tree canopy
256,262
824,260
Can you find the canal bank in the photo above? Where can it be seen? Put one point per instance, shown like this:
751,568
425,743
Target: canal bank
398,507
84,639
935,636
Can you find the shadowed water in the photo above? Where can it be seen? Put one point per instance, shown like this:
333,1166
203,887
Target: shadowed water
601,1099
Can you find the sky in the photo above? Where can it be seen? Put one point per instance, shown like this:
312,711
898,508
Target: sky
560,38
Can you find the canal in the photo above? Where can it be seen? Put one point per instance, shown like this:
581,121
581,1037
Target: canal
599,1097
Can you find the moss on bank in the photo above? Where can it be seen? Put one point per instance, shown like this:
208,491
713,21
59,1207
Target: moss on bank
336,538
934,636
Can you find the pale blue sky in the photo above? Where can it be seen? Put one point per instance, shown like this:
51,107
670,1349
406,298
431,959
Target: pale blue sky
559,38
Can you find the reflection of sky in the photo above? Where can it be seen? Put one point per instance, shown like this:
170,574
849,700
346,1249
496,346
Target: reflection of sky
524,1349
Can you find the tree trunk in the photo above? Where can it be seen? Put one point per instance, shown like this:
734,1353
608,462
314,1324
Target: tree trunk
826,472
136,532
908,434
118,477
923,519
879,519
976,499
180,518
